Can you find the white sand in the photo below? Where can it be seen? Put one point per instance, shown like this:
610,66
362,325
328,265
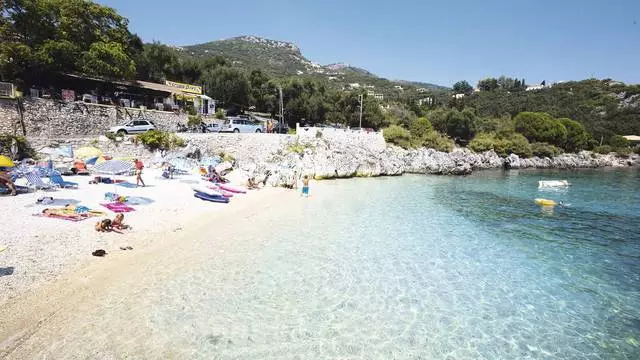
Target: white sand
41,249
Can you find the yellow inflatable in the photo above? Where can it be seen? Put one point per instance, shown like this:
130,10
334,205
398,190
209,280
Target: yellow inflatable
546,202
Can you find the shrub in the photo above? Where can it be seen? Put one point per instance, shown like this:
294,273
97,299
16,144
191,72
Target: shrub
194,121
161,140
24,148
220,114
618,141
296,148
111,136
291,131
420,127
437,141
397,135
624,152
502,145
318,134
603,149
483,142
541,127
225,157
519,145
544,150
577,136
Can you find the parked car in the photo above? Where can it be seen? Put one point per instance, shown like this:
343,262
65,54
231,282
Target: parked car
133,127
211,128
279,128
238,125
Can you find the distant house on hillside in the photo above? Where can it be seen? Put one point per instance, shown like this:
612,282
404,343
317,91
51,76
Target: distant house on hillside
534,87
398,87
425,101
422,90
354,86
458,96
378,96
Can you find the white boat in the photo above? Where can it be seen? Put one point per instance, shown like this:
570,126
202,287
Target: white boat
552,183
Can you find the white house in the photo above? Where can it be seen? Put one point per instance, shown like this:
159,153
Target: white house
458,96
398,87
534,87
425,101
422,90
370,93
378,96
354,86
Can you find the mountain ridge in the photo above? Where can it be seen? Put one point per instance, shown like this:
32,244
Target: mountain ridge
282,58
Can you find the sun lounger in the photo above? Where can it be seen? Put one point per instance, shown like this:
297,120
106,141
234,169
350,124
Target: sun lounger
56,179
35,181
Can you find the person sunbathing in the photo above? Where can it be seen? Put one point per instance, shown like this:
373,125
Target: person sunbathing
104,226
118,223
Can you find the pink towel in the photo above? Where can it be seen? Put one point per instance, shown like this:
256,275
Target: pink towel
118,207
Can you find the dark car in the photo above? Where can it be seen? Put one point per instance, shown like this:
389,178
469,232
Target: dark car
279,128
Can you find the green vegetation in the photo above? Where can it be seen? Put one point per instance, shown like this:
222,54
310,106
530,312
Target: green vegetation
544,150
22,145
194,121
437,141
541,127
502,144
220,114
161,140
38,37
603,149
397,135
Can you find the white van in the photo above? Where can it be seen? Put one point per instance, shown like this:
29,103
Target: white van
239,125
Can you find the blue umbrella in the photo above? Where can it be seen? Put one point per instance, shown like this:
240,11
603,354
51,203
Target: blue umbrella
91,161
113,167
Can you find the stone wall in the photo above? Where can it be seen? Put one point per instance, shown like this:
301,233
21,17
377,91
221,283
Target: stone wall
49,118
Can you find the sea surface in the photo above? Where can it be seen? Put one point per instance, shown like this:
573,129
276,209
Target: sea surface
427,267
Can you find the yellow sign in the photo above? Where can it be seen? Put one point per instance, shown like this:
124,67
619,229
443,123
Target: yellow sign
195,89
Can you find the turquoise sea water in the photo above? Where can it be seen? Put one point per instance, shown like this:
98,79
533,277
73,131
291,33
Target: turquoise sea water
426,267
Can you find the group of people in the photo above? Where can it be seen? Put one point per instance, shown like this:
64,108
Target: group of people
107,225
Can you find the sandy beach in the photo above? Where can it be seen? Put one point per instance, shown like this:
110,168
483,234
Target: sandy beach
48,267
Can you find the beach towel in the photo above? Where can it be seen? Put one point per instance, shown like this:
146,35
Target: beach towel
127,185
68,217
113,197
118,207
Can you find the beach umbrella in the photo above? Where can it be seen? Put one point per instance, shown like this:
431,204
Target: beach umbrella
113,167
87,152
5,161
91,161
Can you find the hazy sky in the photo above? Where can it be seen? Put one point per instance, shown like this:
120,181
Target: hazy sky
432,41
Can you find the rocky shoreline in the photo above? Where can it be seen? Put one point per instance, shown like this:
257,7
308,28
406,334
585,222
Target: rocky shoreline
287,157
324,159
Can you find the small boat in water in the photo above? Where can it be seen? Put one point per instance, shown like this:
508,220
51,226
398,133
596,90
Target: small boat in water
552,183
545,202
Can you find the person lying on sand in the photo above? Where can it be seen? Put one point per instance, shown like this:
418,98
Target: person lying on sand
104,225
118,223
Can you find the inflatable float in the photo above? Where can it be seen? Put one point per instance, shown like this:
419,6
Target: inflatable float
212,198
552,183
206,190
545,202
216,188
232,189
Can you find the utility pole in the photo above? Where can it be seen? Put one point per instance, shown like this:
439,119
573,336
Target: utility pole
360,111
281,109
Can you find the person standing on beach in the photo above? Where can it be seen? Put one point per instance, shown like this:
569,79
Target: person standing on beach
139,167
305,186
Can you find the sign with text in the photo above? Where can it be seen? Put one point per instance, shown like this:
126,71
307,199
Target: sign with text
195,89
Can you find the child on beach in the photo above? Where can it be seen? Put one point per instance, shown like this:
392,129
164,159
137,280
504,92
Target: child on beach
305,186
103,226
139,167
118,222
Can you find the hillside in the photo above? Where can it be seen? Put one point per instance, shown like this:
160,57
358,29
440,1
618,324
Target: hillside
281,58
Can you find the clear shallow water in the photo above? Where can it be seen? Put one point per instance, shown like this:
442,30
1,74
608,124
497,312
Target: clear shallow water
421,267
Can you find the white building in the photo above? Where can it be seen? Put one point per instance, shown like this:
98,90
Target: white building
378,97
370,93
398,87
425,101
534,87
354,86
458,96
422,90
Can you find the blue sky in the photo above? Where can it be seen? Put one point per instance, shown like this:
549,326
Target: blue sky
432,41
